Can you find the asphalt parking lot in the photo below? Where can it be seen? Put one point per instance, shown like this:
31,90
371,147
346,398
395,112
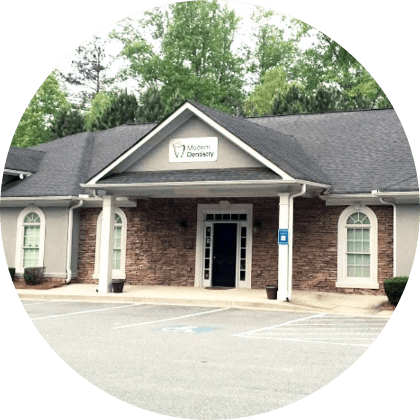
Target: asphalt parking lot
200,362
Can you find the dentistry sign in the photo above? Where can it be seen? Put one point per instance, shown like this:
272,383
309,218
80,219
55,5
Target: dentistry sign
200,149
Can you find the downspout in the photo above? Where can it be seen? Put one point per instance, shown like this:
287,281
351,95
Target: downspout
290,262
70,240
394,233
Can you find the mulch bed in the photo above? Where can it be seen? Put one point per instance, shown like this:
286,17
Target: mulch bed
386,306
44,285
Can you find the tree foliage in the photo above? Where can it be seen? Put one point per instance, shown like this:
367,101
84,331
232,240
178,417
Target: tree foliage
35,125
271,48
67,121
192,56
260,101
120,110
97,107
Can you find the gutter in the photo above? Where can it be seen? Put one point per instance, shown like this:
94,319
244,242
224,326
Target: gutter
70,239
290,256
378,194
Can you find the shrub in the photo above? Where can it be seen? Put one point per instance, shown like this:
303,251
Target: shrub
394,288
12,273
33,275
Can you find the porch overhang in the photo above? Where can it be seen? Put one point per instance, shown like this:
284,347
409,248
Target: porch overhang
240,188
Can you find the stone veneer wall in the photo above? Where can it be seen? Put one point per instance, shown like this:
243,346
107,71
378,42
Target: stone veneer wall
315,246
159,254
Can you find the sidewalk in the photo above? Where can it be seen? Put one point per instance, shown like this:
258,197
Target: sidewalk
302,301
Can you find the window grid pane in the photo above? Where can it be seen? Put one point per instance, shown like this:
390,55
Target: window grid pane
31,236
30,258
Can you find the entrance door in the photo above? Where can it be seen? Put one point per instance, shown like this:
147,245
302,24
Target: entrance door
224,254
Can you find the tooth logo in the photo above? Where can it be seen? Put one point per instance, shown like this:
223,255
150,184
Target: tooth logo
179,149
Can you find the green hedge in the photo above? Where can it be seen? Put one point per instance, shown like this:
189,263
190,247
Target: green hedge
33,275
12,272
394,288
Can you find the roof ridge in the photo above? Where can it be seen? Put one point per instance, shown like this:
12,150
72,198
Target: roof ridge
333,111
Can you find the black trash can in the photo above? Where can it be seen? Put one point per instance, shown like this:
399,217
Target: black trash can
117,286
271,292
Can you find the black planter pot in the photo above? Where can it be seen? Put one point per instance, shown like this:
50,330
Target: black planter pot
117,286
271,292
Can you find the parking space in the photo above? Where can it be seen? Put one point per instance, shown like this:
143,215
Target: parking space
197,362
324,329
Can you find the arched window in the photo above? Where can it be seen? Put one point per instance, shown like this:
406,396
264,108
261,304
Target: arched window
119,248
357,248
30,239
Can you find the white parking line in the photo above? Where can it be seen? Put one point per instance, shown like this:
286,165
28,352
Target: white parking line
310,330
170,319
279,325
86,312
303,341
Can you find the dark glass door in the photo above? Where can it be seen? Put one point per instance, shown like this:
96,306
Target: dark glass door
224,254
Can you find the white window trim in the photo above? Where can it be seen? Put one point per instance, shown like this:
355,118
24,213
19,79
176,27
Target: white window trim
19,238
116,274
223,207
362,282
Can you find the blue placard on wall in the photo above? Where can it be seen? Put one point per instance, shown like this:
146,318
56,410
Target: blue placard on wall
283,236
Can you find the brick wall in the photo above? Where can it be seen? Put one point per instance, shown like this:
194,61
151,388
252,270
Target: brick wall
158,253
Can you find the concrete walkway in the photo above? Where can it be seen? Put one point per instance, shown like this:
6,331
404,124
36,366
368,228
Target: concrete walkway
302,301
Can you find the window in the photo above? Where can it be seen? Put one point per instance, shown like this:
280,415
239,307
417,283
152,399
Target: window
30,239
119,248
357,248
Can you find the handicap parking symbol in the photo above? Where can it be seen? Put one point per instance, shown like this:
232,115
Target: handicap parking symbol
186,329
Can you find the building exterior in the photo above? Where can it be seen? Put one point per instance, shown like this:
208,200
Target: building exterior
326,202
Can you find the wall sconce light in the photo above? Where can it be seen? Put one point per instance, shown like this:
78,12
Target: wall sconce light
257,226
182,225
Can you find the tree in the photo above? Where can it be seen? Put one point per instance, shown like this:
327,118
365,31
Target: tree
97,106
260,101
121,109
68,121
271,48
191,56
90,66
328,64
35,125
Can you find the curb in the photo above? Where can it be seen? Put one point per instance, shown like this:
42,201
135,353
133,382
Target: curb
269,305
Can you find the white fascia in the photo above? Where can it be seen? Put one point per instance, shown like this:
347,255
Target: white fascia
210,122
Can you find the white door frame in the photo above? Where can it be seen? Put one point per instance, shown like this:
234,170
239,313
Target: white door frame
224,207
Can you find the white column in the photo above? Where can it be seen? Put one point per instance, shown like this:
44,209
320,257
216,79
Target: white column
283,267
107,244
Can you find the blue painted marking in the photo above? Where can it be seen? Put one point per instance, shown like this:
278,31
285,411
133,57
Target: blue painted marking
186,329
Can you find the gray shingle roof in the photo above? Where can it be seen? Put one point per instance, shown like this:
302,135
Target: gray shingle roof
25,160
354,151
408,184
359,151
281,149
191,175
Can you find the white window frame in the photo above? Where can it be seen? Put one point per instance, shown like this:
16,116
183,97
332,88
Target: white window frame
357,282
19,238
116,274
223,207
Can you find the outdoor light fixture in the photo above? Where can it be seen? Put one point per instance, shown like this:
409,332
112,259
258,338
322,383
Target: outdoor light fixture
182,225
257,226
